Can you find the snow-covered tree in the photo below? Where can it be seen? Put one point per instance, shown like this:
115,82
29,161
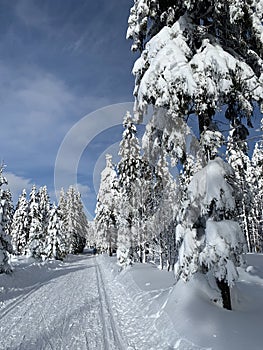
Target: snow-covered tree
62,204
44,207
211,241
130,182
5,240
36,235
73,221
238,159
164,218
56,241
91,235
9,211
196,57
19,227
106,209
255,179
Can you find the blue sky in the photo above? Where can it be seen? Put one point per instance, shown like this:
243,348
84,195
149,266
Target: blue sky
59,61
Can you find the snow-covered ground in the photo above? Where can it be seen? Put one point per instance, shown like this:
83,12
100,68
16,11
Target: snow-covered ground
87,303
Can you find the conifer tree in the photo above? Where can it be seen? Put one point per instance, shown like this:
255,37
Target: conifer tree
238,159
255,176
106,209
36,236
56,244
19,227
62,204
196,58
180,43
211,241
73,221
130,182
5,240
164,219
44,208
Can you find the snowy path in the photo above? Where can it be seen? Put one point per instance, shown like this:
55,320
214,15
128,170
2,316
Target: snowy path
70,310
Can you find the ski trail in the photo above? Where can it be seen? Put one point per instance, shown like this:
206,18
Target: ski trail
112,338
66,312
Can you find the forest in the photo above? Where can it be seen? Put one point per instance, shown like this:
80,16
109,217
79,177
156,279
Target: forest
201,61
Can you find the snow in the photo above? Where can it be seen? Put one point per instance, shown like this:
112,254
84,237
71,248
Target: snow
86,302
209,183
182,314
169,73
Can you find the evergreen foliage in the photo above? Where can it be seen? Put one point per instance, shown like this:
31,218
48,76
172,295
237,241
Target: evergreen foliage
56,243
196,56
74,222
106,209
36,235
19,227
199,57
5,240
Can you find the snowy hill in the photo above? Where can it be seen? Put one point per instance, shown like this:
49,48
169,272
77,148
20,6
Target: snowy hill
87,303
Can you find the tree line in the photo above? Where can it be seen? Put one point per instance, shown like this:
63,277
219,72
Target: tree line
37,229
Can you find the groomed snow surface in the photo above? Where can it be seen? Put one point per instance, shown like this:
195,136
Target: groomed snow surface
87,303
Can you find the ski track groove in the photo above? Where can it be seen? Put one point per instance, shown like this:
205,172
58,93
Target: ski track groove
70,311
115,332
102,315
44,335
66,316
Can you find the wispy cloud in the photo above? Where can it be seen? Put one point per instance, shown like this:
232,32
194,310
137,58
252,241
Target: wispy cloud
16,184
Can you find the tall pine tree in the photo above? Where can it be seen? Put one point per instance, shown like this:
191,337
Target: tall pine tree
5,240
56,243
19,228
130,182
106,209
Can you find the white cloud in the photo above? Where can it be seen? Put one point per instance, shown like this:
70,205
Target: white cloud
16,184
84,190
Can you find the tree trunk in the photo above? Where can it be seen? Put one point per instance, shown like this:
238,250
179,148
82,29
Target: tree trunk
110,248
225,292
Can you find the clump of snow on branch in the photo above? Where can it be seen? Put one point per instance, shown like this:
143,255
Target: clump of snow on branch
170,74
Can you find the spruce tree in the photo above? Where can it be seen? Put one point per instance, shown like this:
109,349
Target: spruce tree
165,215
197,57
73,223
56,244
211,241
237,156
44,208
19,227
130,182
255,176
5,240
36,235
106,208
